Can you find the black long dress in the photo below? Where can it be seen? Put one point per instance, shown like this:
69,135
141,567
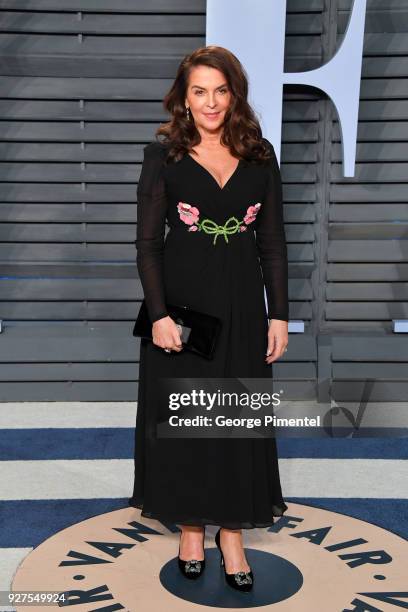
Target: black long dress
231,482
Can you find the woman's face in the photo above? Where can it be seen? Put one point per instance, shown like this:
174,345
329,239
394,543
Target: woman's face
208,97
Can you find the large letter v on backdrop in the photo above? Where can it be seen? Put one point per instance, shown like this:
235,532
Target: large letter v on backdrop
254,30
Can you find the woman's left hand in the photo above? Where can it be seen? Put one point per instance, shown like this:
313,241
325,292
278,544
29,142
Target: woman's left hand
277,339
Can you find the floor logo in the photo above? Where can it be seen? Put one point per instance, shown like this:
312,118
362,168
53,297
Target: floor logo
311,559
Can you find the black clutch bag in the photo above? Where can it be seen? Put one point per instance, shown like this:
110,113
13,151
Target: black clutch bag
199,330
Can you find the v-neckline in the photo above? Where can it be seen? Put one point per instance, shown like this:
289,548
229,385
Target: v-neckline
213,177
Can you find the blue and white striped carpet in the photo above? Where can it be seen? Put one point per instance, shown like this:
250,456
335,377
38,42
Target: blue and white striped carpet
63,462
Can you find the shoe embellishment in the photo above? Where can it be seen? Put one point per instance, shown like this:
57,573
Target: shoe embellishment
193,566
190,216
243,578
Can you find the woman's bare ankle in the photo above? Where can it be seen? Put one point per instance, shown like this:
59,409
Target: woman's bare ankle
191,542
233,549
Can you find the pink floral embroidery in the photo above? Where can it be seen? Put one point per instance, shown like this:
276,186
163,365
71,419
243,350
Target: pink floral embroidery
251,213
190,216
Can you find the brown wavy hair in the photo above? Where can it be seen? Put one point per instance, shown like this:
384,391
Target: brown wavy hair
241,130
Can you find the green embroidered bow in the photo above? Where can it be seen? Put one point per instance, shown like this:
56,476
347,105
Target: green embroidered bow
231,226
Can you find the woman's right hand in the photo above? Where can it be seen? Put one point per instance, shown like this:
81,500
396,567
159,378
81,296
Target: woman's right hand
166,334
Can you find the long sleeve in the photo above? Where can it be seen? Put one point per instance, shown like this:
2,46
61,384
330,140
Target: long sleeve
271,243
151,220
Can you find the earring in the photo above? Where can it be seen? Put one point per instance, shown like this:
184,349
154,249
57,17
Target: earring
188,113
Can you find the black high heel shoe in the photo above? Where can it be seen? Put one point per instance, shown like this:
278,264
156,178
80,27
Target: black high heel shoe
242,581
192,568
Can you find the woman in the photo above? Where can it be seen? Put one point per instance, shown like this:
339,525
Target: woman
212,163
